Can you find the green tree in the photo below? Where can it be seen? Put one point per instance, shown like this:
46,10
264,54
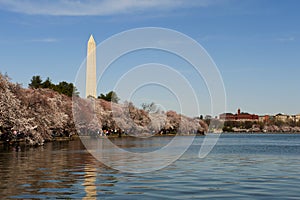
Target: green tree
47,83
65,88
62,87
248,124
111,96
35,82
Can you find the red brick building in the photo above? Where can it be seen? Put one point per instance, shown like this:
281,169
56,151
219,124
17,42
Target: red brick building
239,116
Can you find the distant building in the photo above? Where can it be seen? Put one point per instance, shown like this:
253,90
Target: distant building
282,117
239,116
264,118
295,118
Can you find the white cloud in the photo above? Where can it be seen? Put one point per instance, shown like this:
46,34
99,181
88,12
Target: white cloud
286,39
46,40
95,7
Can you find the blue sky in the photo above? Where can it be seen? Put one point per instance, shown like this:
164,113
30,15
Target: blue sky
254,43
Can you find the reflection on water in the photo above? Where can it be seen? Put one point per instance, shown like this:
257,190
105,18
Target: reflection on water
240,166
137,155
90,182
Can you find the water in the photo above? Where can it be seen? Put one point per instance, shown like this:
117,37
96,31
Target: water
241,166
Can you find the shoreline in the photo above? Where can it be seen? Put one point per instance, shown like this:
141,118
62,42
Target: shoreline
78,137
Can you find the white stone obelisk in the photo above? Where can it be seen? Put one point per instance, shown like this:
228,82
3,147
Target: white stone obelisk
91,84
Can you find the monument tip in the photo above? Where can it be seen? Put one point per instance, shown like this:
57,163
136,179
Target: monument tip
91,38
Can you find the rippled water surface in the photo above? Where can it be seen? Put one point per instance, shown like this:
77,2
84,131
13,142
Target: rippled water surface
241,166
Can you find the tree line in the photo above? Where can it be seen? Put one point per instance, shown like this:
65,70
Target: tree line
62,87
66,88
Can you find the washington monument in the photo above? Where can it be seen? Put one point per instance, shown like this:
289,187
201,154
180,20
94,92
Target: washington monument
91,85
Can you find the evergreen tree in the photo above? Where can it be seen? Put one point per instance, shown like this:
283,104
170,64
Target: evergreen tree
36,82
111,96
62,87
47,83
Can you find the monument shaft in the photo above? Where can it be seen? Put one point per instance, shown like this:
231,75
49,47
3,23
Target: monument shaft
91,83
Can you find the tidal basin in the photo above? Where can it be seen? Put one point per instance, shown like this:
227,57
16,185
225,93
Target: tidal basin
241,166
